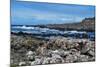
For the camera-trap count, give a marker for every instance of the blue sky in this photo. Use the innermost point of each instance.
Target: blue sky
(29, 13)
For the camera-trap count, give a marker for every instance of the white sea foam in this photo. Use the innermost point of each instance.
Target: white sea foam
(38, 30)
(23, 27)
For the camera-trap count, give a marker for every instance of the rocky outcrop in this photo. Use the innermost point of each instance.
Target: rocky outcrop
(27, 50)
(87, 24)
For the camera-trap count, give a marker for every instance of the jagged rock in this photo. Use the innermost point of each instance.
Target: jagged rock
(55, 50)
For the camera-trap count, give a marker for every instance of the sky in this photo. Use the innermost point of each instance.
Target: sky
(33, 13)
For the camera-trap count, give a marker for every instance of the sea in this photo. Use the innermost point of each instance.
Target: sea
(46, 32)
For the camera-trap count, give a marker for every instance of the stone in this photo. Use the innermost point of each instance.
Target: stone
(91, 52)
(22, 64)
(29, 53)
(36, 62)
(30, 56)
(83, 58)
(71, 58)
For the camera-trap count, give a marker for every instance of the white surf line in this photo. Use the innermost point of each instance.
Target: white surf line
(80, 2)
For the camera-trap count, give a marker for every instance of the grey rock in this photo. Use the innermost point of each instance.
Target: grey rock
(83, 58)
(70, 59)
(30, 55)
(91, 52)
(36, 62)
(22, 64)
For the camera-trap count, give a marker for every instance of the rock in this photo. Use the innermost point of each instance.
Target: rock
(22, 64)
(92, 59)
(29, 53)
(71, 58)
(30, 56)
(55, 50)
(49, 53)
(41, 51)
(75, 52)
(91, 52)
(56, 59)
(46, 60)
(36, 62)
(85, 46)
(66, 53)
(56, 56)
(60, 52)
(83, 58)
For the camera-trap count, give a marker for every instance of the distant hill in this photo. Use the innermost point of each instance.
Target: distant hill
(87, 24)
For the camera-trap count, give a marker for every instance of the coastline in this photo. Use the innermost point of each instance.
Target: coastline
(27, 50)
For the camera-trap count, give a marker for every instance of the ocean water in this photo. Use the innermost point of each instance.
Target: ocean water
(52, 32)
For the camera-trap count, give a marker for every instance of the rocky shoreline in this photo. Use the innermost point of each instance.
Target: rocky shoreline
(27, 50)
